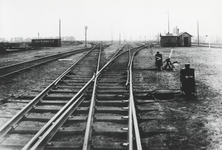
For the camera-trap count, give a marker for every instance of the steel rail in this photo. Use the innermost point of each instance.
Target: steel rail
(16, 118)
(15, 68)
(130, 121)
(117, 54)
(127, 72)
(28, 107)
(88, 131)
(40, 140)
(49, 129)
(132, 106)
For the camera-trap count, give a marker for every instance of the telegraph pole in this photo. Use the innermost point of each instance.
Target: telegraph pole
(86, 36)
(119, 38)
(198, 32)
(124, 39)
(59, 29)
(60, 40)
(111, 34)
(168, 22)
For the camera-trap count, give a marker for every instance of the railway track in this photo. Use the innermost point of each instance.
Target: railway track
(90, 114)
(90, 109)
(42, 107)
(15, 68)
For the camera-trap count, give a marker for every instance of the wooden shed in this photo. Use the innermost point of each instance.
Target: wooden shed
(173, 40)
(184, 39)
(168, 40)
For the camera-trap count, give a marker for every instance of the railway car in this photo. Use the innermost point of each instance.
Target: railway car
(2, 49)
(46, 42)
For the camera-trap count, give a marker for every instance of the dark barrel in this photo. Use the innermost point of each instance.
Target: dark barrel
(187, 79)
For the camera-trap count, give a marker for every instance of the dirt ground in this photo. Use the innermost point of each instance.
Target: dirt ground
(195, 121)
(204, 125)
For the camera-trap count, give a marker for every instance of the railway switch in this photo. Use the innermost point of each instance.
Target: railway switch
(159, 61)
(187, 80)
(168, 65)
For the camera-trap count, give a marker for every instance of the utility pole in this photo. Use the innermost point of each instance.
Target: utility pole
(198, 32)
(119, 38)
(124, 38)
(60, 40)
(59, 29)
(38, 35)
(111, 34)
(168, 22)
(86, 36)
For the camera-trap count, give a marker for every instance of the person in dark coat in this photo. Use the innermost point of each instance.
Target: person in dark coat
(159, 61)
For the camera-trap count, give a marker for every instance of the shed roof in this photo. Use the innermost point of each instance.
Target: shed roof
(174, 35)
(180, 34)
(169, 34)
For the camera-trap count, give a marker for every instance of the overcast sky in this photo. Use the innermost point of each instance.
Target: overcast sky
(131, 18)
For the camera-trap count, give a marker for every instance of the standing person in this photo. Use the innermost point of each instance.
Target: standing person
(159, 61)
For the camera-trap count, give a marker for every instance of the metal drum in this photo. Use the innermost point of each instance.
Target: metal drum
(187, 79)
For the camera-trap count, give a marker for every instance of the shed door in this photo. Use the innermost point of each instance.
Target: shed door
(185, 41)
